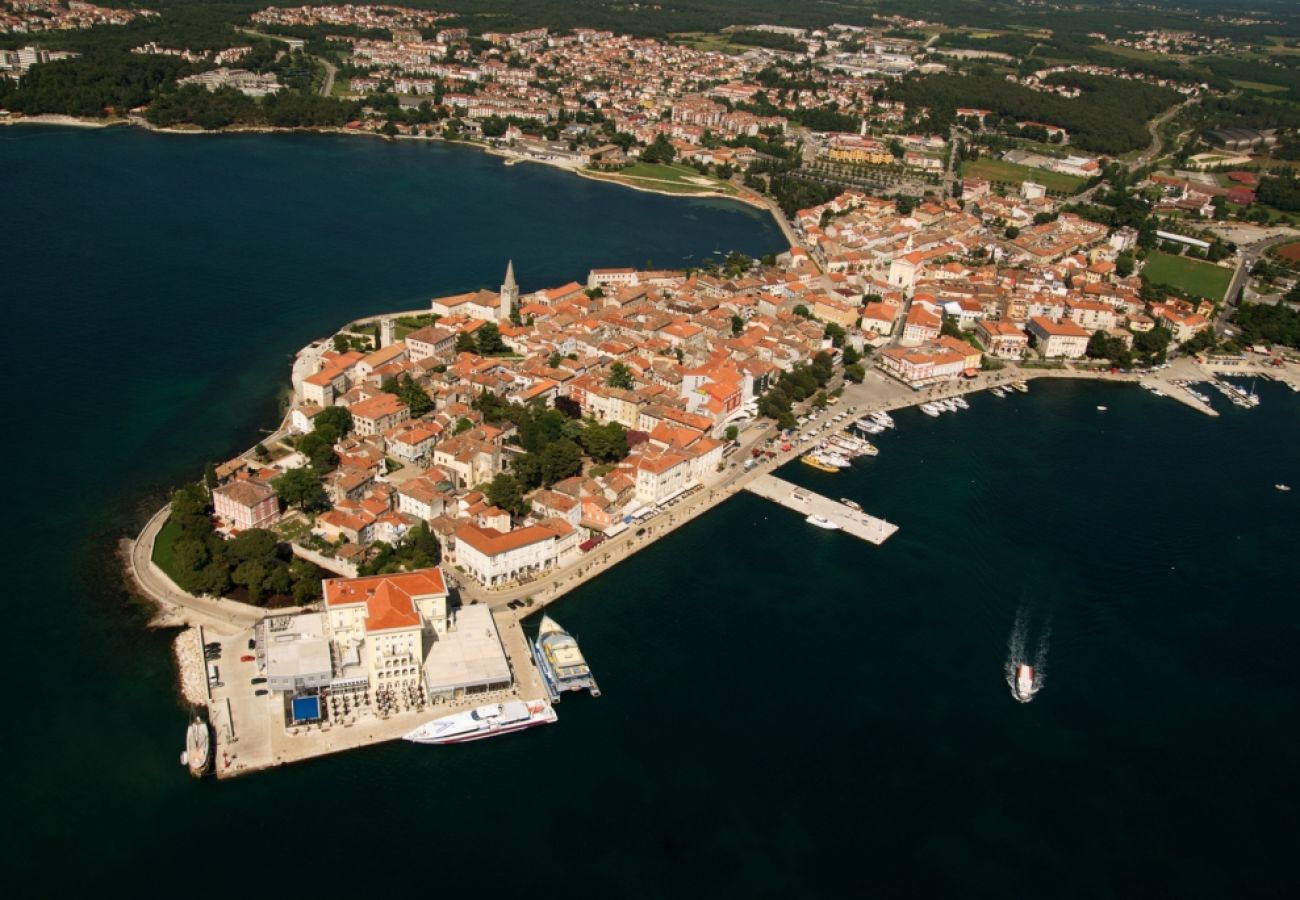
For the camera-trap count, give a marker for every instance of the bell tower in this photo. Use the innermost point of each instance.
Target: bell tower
(509, 293)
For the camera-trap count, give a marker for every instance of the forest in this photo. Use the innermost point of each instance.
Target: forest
(1109, 117)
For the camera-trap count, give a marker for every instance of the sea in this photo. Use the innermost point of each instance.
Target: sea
(786, 712)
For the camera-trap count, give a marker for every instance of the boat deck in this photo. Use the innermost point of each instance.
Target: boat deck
(859, 524)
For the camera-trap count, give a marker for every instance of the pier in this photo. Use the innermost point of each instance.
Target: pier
(806, 503)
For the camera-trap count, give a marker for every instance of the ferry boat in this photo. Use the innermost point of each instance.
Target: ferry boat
(814, 460)
(931, 410)
(822, 522)
(1024, 682)
(484, 722)
(561, 662)
(1021, 386)
(198, 748)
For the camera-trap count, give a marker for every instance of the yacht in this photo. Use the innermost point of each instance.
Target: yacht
(961, 402)
(822, 522)
(484, 722)
(998, 392)
(883, 418)
(930, 409)
(851, 504)
(561, 662)
(198, 748)
(1282, 487)
(1021, 386)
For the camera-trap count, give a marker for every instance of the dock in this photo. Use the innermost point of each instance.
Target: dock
(805, 502)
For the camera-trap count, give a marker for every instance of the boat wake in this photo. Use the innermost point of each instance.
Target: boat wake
(1026, 666)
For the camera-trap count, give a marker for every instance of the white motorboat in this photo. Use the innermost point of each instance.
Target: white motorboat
(1024, 688)
(484, 722)
(931, 410)
(1282, 487)
(961, 402)
(883, 418)
(998, 392)
(822, 522)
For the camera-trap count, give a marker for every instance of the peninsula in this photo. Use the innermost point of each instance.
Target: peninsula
(443, 472)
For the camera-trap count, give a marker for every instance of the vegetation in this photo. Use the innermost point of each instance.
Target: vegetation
(1261, 324)
(191, 552)
(419, 549)
(1187, 276)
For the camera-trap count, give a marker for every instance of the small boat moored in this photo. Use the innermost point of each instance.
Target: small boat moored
(198, 748)
(822, 522)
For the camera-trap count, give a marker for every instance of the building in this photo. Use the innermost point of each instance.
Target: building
(467, 658)
(1059, 339)
(431, 341)
(379, 626)
(245, 504)
(296, 651)
(494, 557)
(1002, 339)
(378, 414)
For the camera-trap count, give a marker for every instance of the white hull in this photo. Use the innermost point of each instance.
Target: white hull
(484, 722)
(822, 522)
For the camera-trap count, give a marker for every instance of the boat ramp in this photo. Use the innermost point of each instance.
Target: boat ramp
(807, 503)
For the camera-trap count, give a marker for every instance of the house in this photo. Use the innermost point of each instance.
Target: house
(1002, 339)
(493, 557)
(1058, 339)
(431, 341)
(378, 414)
(244, 503)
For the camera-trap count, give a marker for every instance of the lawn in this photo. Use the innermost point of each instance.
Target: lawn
(676, 179)
(1191, 276)
(164, 548)
(1013, 173)
(1259, 86)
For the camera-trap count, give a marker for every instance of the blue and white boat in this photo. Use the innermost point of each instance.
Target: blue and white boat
(561, 662)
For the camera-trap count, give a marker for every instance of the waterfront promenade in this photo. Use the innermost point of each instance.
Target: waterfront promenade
(859, 524)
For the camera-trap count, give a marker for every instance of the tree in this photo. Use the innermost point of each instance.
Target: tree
(488, 339)
(338, 418)
(1012, 232)
(409, 392)
(855, 373)
(835, 333)
(732, 432)
(340, 343)
(210, 477)
(302, 488)
(559, 460)
(606, 443)
(306, 577)
(660, 151)
(801, 310)
(462, 425)
(850, 355)
(465, 343)
(737, 325)
(318, 447)
(620, 376)
(1124, 264)
(506, 492)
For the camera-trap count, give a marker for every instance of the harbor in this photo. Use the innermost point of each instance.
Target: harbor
(813, 505)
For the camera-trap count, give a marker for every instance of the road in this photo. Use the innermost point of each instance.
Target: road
(1247, 257)
(221, 615)
(330, 71)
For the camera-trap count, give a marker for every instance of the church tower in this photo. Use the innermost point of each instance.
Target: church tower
(509, 293)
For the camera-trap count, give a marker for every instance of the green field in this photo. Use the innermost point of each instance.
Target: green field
(1013, 173)
(1259, 86)
(674, 178)
(164, 548)
(1191, 276)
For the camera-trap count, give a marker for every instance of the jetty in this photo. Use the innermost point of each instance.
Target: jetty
(807, 503)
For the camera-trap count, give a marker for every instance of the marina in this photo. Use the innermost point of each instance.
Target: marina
(822, 512)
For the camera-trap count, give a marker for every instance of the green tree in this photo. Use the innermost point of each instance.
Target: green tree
(505, 491)
(210, 477)
(302, 488)
(462, 425)
(732, 432)
(620, 376)
(336, 417)
(801, 310)
(488, 339)
(737, 325)
(465, 343)
(855, 373)
(559, 460)
(607, 443)
(835, 333)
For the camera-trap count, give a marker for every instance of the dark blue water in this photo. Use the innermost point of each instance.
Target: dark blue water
(786, 712)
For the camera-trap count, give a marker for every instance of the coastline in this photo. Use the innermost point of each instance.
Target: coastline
(133, 121)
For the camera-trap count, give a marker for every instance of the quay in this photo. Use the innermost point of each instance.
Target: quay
(805, 502)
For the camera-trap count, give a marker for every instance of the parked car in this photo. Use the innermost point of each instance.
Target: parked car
(261, 692)
(247, 658)
(258, 680)
(252, 643)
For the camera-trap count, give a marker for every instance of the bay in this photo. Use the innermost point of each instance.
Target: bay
(786, 712)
